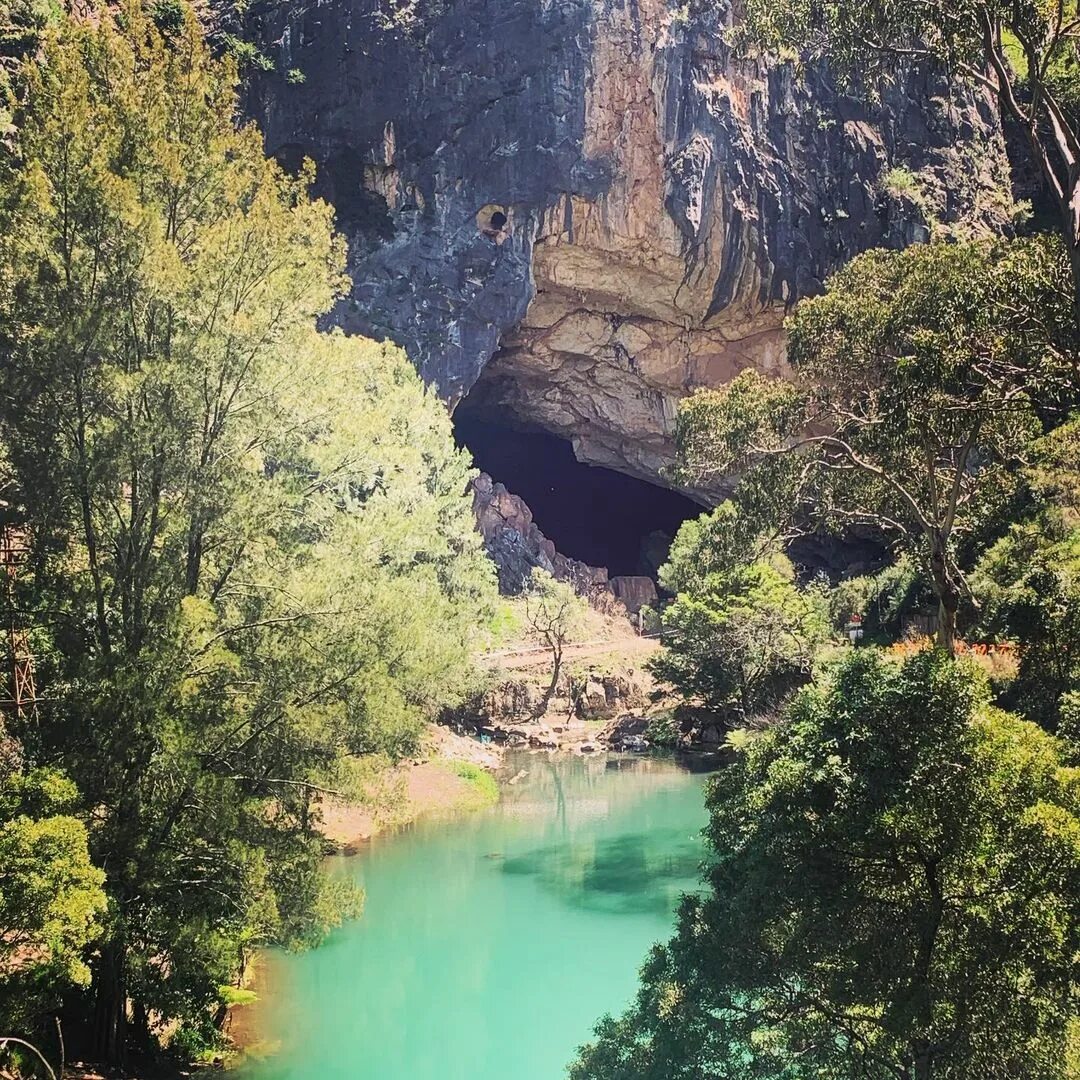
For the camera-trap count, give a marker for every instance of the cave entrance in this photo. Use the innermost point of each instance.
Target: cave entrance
(596, 515)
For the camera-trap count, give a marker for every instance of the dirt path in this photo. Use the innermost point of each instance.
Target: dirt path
(539, 655)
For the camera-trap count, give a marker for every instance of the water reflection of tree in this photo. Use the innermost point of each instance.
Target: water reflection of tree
(626, 872)
(562, 823)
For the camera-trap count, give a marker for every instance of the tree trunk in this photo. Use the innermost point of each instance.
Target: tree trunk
(948, 595)
(948, 602)
(110, 1003)
(549, 693)
(924, 1069)
(1070, 225)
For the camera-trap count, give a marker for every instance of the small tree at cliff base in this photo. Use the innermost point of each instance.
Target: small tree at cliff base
(1025, 54)
(554, 613)
(893, 893)
(918, 380)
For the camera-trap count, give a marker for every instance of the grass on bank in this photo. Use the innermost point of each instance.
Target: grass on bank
(483, 789)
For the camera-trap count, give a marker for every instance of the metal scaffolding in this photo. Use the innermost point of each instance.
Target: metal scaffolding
(21, 697)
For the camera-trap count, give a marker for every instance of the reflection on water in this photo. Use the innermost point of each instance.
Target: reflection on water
(636, 872)
(491, 944)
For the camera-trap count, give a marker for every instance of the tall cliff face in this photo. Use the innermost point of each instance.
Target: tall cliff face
(575, 211)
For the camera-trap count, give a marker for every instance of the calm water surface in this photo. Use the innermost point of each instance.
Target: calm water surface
(491, 944)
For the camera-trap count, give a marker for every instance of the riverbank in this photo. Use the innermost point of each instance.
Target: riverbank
(452, 774)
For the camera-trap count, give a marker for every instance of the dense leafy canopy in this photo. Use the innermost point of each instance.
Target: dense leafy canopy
(893, 892)
(253, 576)
(739, 634)
(918, 379)
(252, 555)
(1028, 582)
(50, 893)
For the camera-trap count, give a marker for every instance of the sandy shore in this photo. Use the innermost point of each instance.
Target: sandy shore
(425, 786)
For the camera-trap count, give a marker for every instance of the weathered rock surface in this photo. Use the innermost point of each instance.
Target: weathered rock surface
(601, 695)
(507, 710)
(586, 208)
(516, 545)
(634, 591)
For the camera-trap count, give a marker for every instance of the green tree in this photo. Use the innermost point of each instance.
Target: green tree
(917, 377)
(893, 892)
(1028, 581)
(881, 601)
(554, 613)
(1024, 54)
(740, 635)
(50, 894)
(252, 553)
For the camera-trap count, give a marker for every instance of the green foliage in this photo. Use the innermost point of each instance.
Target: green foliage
(235, 995)
(880, 600)
(1028, 582)
(21, 25)
(663, 730)
(1054, 472)
(713, 544)
(252, 551)
(554, 613)
(1024, 54)
(551, 607)
(51, 899)
(905, 186)
(1069, 726)
(739, 635)
(918, 377)
(484, 787)
(893, 892)
(168, 16)
(901, 182)
(246, 53)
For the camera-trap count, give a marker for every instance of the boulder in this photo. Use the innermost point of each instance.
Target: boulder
(516, 544)
(593, 700)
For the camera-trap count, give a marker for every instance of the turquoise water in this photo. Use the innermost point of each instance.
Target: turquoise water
(491, 944)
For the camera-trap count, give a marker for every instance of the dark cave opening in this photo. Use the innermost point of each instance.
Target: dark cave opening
(596, 515)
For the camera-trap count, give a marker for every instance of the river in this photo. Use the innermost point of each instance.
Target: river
(490, 944)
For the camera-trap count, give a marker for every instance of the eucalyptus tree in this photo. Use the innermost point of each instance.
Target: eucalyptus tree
(918, 381)
(891, 892)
